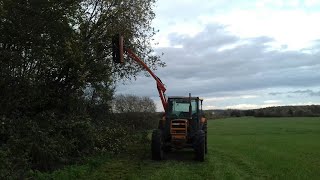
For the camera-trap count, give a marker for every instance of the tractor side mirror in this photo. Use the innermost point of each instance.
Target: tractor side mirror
(202, 113)
(117, 48)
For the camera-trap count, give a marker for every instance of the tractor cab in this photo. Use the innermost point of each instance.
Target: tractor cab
(184, 109)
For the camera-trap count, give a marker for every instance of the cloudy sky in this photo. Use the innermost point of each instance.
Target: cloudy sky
(237, 54)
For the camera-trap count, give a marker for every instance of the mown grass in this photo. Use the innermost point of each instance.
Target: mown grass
(239, 148)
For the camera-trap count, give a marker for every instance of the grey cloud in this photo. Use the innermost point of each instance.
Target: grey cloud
(202, 68)
(217, 38)
(248, 58)
(261, 40)
(307, 92)
(275, 93)
(300, 92)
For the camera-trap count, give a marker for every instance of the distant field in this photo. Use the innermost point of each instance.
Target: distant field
(239, 148)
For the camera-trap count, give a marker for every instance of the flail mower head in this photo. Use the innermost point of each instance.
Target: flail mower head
(117, 48)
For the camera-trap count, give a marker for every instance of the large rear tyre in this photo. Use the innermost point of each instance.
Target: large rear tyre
(206, 144)
(205, 128)
(167, 149)
(199, 145)
(156, 145)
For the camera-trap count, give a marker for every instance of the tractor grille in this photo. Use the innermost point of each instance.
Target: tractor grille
(179, 128)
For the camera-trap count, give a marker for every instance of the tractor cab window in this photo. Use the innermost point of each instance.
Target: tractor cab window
(179, 108)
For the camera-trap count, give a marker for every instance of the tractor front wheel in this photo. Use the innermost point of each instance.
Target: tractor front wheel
(156, 145)
(199, 145)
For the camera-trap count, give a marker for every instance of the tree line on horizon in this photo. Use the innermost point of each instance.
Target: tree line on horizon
(278, 111)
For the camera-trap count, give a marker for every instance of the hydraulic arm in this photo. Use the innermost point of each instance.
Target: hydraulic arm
(119, 49)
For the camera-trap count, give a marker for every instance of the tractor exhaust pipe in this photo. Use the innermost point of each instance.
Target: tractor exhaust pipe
(190, 106)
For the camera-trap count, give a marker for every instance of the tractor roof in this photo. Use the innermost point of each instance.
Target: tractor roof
(183, 97)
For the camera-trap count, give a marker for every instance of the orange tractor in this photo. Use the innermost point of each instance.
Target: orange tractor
(182, 125)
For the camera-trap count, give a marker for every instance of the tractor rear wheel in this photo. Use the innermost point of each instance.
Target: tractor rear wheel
(167, 148)
(206, 144)
(205, 129)
(156, 145)
(199, 145)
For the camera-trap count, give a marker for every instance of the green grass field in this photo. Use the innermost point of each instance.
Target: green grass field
(239, 148)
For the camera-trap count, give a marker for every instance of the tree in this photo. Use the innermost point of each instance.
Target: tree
(55, 49)
(57, 75)
(131, 103)
(132, 19)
